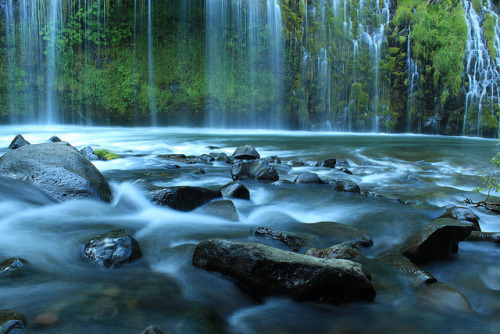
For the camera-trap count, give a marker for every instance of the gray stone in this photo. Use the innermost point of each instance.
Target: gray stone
(348, 250)
(308, 178)
(235, 190)
(330, 163)
(484, 236)
(18, 142)
(246, 152)
(152, 330)
(336, 232)
(12, 322)
(183, 198)
(463, 214)
(266, 271)
(417, 274)
(221, 157)
(12, 265)
(444, 298)
(221, 208)
(58, 169)
(255, 169)
(293, 240)
(346, 186)
(89, 154)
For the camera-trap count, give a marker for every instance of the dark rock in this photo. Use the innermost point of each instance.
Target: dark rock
(256, 169)
(199, 171)
(55, 139)
(484, 236)
(58, 169)
(336, 232)
(293, 240)
(313, 163)
(343, 163)
(152, 330)
(348, 250)
(221, 157)
(330, 163)
(281, 183)
(235, 190)
(176, 157)
(12, 322)
(444, 298)
(462, 214)
(436, 241)
(294, 163)
(113, 249)
(307, 177)
(183, 198)
(346, 185)
(273, 159)
(169, 166)
(13, 265)
(88, 153)
(204, 158)
(265, 271)
(221, 208)
(18, 142)
(246, 152)
(345, 170)
(210, 147)
(404, 265)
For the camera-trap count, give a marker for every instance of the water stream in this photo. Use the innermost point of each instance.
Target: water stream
(165, 289)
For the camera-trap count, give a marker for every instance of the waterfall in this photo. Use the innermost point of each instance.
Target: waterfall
(152, 88)
(413, 81)
(481, 72)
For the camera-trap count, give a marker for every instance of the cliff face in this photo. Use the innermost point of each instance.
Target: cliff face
(345, 65)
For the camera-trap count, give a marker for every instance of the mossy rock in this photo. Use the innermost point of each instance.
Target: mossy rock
(106, 154)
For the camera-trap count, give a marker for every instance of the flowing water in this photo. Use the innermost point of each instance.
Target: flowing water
(163, 287)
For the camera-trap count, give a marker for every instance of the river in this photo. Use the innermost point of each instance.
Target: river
(164, 288)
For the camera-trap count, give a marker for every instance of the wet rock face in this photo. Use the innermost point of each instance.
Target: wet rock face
(183, 198)
(89, 154)
(347, 250)
(58, 169)
(18, 142)
(12, 322)
(417, 274)
(484, 236)
(329, 163)
(257, 170)
(436, 241)
(293, 240)
(346, 186)
(265, 271)
(337, 232)
(235, 190)
(113, 249)
(13, 265)
(308, 178)
(246, 152)
(465, 215)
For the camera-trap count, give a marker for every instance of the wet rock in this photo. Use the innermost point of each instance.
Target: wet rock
(169, 166)
(13, 265)
(343, 163)
(58, 169)
(12, 322)
(246, 152)
(199, 171)
(55, 139)
(348, 250)
(176, 157)
(345, 170)
(484, 236)
(346, 186)
(336, 232)
(113, 249)
(46, 319)
(152, 330)
(211, 147)
(281, 183)
(265, 271)
(18, 142)
(436, 241)
(273, 159)
(444, 298)
(329, 163)
(294, 163)
(183, 198)
(256, 169)
(313, 163)
(221, 157)
(462, 214)
(221, 208)
(204, 158)
(308, 178)
(293, 240)
(417, 274)
(235, 190)
(88, 153)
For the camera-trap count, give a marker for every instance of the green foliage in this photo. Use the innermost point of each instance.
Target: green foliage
(491, 181)
(489, 34)
(106, 154)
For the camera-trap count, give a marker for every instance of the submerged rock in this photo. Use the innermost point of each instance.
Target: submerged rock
(246, 152)
(183, 198)
(221, 208)
(171, 166)
(444, 298)
(484, 236)
(348, 250)
(13, 265)
(176, 157)
(265, 270)
(293, 240)
(436, 241)
(12, 322)
(58, 169)
(235, 190)
(463, 214)
(417, 274)
(113, 249)
(256, 169)
(345, 170)
(346, 186)
(336, 233)
(152, 330)
(329, 163)
(18, 142)
(308, 178)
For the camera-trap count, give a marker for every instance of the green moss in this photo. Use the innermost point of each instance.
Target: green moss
(489, 34)
(106, 154)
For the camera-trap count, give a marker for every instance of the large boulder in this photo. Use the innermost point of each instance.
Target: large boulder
(436, 241)
(463, 214)
(113, 249)
(12, 322)
(235, 190)
(265, 271)
(18, 142)
(416, 274)
(58, 169)
(246, 152)
(183, 198)
(256, 170)
(308, 178)
(348, 250)
(290, 239)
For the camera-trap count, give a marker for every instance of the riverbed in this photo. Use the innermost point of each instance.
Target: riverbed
(424, 172)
